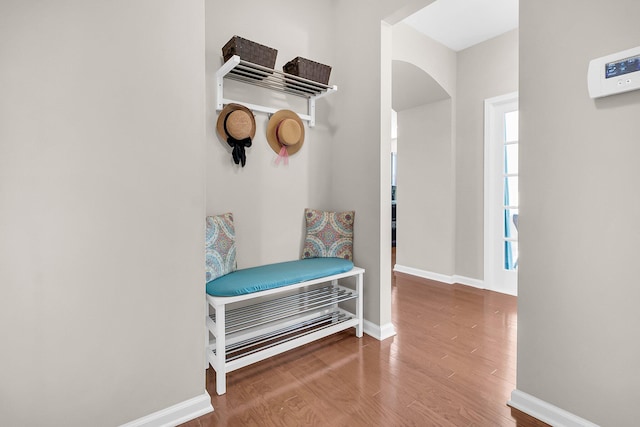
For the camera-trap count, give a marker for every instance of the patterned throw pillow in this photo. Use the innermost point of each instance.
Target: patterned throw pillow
(329, 234)
(220, 246)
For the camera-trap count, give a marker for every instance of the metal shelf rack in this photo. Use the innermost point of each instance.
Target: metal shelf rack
(264, 325)
(257, 75)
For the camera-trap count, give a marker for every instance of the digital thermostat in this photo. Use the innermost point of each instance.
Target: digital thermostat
(615, 73)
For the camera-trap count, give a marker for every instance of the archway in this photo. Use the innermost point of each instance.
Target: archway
(425, 193)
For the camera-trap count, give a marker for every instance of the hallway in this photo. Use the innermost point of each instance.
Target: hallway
(452, 363)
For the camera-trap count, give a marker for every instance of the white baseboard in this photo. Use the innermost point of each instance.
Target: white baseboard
(545, 411)
(176, 414)
(468, 281)
(424, 274)
(380, 333)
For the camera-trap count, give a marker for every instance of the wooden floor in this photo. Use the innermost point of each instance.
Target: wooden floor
(452, 363)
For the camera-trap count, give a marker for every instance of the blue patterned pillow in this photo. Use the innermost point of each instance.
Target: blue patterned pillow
(329, 234)
(220, 246)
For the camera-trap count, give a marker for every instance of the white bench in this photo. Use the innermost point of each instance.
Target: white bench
(250, 327)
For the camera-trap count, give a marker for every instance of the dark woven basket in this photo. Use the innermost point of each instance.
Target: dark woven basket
(250, 51)
(308, 69)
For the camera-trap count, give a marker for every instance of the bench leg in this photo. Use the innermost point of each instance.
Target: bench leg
(206, 335)
(220, 359)
(359, 305)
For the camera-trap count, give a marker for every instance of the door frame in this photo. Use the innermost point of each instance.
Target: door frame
(493, 107)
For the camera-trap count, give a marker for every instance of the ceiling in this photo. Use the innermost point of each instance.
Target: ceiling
(459, 24)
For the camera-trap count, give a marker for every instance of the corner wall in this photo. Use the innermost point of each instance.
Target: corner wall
(426, 190)
(452, 183)
(268, 200)
(361, 175)
(101, 210)
(339, 168)
(578, 292)
(484, 71)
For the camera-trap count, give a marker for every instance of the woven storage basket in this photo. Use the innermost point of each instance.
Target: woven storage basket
(308, 69)
(250, 51)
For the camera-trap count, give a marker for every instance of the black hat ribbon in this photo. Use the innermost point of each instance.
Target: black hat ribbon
(238, 145)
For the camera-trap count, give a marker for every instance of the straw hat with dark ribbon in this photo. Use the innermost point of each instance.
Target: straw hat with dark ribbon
(285, 134)
(237, 126)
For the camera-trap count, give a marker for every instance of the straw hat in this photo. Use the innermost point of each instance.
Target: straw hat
(285, 129)
(237, 126)
(240, 123)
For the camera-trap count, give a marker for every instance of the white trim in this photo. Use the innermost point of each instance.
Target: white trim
(424, 274)
(177, 414)
(469, 281)
(491, 111)
(438, 277)
(380, 333)
(544, 411)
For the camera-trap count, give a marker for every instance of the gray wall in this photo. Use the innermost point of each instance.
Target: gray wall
(484, 71)
(361, 172)
(268, 200)
(355, 177)
(101, 209)
(578, 311)
(426, 188)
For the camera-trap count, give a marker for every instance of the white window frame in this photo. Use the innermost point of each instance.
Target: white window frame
(495, 278)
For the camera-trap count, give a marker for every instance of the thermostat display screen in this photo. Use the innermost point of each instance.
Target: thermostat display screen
(618, 68)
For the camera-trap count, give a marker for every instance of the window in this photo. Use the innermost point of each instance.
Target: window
(510, 191)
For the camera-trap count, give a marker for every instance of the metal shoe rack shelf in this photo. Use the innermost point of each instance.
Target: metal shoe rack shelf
(267, 324)
(257, 75)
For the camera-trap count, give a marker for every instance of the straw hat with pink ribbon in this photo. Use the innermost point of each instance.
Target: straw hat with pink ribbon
(285, 134)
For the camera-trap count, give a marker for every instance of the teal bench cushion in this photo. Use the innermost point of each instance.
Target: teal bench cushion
(256, 279)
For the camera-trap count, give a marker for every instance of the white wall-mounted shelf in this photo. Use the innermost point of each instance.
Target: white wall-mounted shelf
(257, 75)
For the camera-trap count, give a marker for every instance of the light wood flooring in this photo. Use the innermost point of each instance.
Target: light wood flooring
(452, 363)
